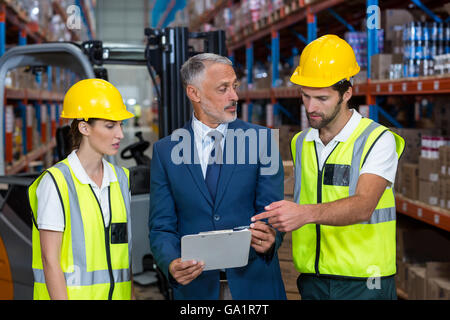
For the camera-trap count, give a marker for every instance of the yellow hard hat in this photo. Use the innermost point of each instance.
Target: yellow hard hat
(94, 98)
(324, 62)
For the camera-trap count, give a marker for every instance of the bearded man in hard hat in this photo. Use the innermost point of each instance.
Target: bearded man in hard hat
(343, 215)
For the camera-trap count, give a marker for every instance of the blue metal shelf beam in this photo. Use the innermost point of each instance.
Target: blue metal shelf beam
(249, 63)
(340, 19)
(275, 57)
(2, 29)
(80, 5)
(312, 27)
(373, 12)
(22, 37)
(300, 36)
(372, 31)
(419, 4)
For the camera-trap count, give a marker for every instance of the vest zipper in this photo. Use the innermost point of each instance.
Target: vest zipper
(319, 200)
(107, 241)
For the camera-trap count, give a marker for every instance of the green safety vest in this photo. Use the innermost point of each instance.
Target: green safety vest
(359, 250)
(95, 259)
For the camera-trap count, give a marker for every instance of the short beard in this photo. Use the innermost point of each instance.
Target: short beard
(216, 117)
(325, 121)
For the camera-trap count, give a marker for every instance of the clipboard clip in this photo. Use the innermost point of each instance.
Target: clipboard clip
(240, 228)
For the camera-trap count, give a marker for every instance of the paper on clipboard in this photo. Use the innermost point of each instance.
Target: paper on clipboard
(217, 249)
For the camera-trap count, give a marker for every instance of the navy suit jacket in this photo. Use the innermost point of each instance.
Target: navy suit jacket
(181, 204)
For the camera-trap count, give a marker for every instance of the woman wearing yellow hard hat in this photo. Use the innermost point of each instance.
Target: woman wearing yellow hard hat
(343, 215)
(81, 205)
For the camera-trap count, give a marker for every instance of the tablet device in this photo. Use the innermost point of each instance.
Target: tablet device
(218, 249)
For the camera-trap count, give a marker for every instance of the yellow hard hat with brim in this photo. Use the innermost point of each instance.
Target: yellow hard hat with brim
(94, 98)
(324, 62)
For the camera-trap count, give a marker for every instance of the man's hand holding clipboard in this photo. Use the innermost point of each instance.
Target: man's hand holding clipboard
(261, 238)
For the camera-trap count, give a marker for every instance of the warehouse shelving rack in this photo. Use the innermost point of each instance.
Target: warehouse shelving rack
(14, 24)
(434, 216)
(424, 85)
(289, 21)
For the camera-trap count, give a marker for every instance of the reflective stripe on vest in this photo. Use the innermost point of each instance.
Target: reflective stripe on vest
(343, 250)
(79, 276)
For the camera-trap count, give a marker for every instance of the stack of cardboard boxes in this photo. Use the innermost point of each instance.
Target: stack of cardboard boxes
(381, 65)
(423, 270)
(429, 282)
(434, 179)
(289, 180)
(444, 177)
(429, 181)
(406, 181)
(420, 177)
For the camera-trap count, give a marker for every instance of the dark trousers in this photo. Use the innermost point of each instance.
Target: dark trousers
(312, 287)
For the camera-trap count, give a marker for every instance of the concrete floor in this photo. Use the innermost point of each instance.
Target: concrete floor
(149, 292)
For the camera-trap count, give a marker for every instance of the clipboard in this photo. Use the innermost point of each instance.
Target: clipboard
(219, 249)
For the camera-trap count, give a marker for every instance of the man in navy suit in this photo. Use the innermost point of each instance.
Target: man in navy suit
(214, 174)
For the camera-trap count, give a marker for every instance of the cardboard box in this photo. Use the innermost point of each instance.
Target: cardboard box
(288, 166)
(440, 271)
(437, 269)
(289, 185)
(413, 142)
(401, 276)
(429, 169)
(447, 192)
(444, 152)
(290, 275)
(429, 192)
(438, 289)
(394, 17)
(286, 134)
(263, 83)
(289, 179)
(443, 193)
(448, 159)
(410, 180)
(416, 283)
(398, 183)
(285, 250)
(380, 65)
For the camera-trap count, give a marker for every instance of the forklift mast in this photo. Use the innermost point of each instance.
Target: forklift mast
(166, 51)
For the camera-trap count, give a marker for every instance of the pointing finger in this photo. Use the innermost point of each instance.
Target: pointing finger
(263, 215)
(274, 205)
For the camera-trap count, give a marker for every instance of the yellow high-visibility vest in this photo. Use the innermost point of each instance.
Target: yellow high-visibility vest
(359, 250)
(95, 259)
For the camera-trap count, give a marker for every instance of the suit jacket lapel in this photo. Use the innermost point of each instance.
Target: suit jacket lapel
(227, 169)
(195, 168)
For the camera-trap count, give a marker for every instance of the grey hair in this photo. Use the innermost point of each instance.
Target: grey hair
(195, 66)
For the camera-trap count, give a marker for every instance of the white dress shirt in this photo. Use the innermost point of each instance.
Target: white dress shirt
(382, 159)
(205, 143)
(50, 215)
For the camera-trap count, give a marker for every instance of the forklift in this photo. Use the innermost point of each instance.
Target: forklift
(163, 55)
